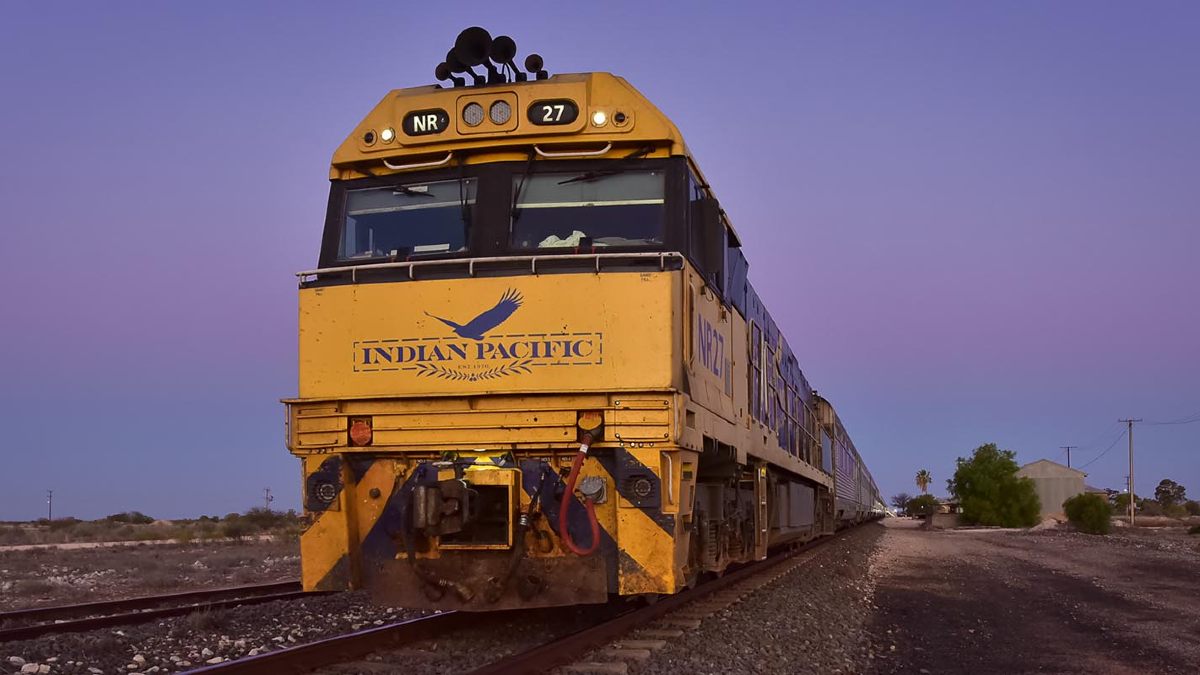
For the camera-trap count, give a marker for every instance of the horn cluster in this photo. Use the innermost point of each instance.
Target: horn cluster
(476, 47)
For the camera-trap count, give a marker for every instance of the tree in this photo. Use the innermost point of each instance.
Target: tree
(924, 478)
(990, 492)
(900, 502)
(925, 505)
(1121, 503)
(1169, 493)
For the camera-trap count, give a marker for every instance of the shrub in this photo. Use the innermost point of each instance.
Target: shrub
(1175, 511)
(14, 536)
(236, 529)
(183, 534)
(131, 518)
(1192, 507)
(1088, 513)
(63, 523)
(1149, 507)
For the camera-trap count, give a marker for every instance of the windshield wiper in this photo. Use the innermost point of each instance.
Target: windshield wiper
(405, 190)
(605, 173)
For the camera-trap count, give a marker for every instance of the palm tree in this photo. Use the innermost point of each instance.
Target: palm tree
(923, 480)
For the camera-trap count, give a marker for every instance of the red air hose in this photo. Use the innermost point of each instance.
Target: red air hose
(588, 504)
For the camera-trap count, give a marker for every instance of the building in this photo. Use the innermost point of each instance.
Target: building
(1054, 483)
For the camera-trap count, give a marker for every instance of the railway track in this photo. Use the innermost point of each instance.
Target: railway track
(603, 649)
(655, 623)
(27, 624)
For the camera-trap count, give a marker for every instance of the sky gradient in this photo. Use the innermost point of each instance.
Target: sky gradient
(975, 223)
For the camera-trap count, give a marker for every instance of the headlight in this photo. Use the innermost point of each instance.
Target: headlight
(500, 112)
(472, 114)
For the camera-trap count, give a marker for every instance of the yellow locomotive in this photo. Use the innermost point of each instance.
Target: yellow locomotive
(532, 370)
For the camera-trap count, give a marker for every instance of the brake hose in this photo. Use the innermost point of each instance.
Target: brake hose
(588, 504)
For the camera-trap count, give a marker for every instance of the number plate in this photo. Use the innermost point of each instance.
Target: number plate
(422, 122)
(553, 111)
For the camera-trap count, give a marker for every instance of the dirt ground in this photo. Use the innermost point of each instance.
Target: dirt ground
(988, 601)
(30, 578)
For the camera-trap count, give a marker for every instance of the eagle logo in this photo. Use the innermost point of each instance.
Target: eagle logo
(475, 328)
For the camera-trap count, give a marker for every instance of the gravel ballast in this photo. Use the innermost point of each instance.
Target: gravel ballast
(811, 620)
(181, 643)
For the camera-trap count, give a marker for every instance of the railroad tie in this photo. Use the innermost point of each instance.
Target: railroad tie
(625, 654)
(649, 645)
(660, 633)
(598, 668)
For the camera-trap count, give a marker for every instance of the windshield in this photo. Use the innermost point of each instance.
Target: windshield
(404, 221)
(559, 211)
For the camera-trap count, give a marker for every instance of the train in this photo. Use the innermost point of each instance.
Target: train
(532, 368)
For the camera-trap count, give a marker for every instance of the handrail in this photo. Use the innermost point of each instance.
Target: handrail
(670, 478)
(411, 265)
(421, 165)
(578, 153)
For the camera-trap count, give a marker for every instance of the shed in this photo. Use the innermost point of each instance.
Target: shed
(1054, 483)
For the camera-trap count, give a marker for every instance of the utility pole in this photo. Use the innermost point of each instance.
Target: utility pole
(267, 498)
(1129, 422)
(1069, 448)
(50, 505)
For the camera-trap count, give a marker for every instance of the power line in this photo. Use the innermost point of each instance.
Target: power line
(1105, 452)
(1187, 419)
(1099, 440)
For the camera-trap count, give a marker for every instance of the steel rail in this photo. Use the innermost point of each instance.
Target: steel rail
(341, 648)
(142, 609)
(569, 649)
(351, 646)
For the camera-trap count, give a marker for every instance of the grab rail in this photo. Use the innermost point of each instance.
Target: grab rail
(471, 263)
(421, 165)
(573, 153)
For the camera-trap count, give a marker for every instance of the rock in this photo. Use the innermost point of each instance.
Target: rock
(29, 668)
(95, 671)
(43, 669)
(215, 660)
(16, 660)
(138, 658)
(206, 652)
(254, 652)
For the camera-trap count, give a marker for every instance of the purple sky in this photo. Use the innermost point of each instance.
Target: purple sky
(974, 222)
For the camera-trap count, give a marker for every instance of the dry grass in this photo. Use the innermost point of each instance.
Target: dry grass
(1160, 521)
(201, 621)
(34, 587)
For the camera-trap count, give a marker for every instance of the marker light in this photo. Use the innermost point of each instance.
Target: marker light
(599, 118)
(500, 112)
(360, 431)
(472, 114)
(387, 135)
